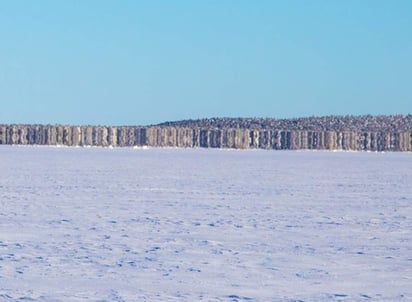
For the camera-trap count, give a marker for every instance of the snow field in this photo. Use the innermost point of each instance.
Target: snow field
(94, 224)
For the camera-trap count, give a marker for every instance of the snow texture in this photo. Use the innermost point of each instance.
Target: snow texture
(94, 224)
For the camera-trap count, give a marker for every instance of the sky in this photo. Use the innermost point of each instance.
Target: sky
(134, 62)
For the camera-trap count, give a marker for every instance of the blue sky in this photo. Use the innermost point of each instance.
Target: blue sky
(143, 62)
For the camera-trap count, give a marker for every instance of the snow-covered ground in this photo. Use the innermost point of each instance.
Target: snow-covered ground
(94, 224)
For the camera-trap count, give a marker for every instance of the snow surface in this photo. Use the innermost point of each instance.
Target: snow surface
(94, 224)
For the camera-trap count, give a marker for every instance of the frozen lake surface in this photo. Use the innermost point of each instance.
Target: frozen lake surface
(93, 224)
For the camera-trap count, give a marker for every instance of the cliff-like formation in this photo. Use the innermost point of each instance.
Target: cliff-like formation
(363, 133)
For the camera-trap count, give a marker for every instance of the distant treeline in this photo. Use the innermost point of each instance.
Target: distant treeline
(382, 123)
(364, 133)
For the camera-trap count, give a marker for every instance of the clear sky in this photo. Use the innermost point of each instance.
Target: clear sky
(142, 62)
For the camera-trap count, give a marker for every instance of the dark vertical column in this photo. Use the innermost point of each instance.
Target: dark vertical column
(203, 138)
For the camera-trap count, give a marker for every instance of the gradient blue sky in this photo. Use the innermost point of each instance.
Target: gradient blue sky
(142, 62)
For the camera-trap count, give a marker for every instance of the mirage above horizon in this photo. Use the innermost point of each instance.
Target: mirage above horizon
(357, 133)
